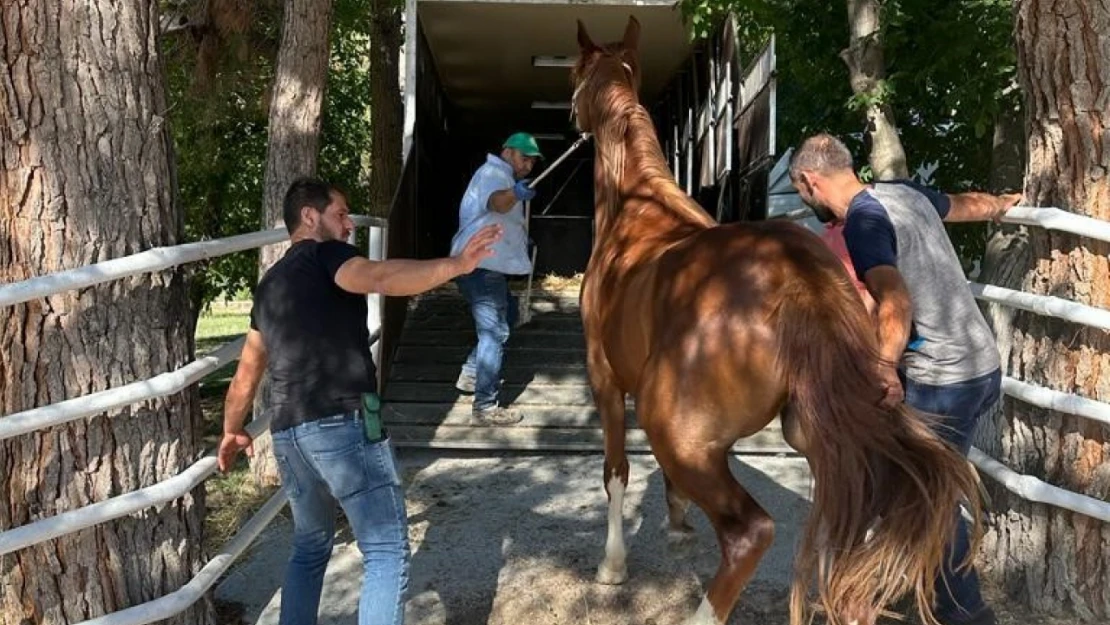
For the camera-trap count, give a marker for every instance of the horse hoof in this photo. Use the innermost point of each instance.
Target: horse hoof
(611, 577)
(680, 535)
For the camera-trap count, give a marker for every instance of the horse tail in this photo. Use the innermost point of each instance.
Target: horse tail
(883, 472)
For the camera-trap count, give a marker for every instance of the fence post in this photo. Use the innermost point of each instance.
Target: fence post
(375, 250)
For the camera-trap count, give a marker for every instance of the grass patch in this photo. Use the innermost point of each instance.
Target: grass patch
(222, 323)
(232, 500)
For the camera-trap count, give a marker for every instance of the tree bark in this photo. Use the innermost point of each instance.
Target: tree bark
(87, 176)
(386, 107)
(1047, 558)
(295, 111)
(867, 74)
(1007, 150)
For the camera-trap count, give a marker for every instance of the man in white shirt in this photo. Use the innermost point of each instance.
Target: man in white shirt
(495, 195)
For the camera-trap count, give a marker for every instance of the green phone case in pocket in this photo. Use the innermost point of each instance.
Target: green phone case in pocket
(372, 417)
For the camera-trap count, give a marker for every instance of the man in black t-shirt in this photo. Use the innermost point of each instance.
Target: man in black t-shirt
(308, 331)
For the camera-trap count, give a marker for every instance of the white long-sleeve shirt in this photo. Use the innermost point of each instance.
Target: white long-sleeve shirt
(511, 252)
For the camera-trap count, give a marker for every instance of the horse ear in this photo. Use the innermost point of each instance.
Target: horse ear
(584, 42)
(631, 34)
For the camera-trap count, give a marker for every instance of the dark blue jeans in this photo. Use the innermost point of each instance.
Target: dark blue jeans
(494, 309)
(958, 595)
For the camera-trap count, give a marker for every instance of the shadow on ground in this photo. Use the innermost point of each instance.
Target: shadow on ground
(516, 539)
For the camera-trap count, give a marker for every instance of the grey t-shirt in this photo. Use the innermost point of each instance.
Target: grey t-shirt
(900, 224)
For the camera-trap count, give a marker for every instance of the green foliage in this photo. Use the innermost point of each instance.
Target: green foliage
(882, 93)
(345, 130)
(218, 92)
(951, 71)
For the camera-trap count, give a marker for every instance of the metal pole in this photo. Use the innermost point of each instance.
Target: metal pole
(375, 250)
(525, 313)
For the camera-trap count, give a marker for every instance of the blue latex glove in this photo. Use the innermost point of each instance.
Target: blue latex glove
(522, 192)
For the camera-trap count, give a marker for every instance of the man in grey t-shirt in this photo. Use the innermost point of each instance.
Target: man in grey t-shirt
(939, 353)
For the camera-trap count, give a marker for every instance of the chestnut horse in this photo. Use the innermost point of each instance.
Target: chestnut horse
(715, 330)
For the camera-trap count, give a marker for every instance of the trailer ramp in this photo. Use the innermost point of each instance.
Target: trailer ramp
(544, 373)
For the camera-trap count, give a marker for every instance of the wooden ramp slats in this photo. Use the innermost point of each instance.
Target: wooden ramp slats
(544, 376)
(458, 414)
(511, 373)
(530, 438)
(521, 355)
(465, 338)
(460, 321)
(514, 394)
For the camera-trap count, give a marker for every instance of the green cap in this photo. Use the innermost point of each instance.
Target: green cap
(523, 142)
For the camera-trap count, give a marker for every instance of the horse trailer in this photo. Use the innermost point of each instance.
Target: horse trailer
(477, 70)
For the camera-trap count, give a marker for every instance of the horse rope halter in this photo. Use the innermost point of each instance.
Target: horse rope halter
(589, 75)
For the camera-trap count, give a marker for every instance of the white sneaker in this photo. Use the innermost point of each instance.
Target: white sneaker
(496, 415)
(465, 383)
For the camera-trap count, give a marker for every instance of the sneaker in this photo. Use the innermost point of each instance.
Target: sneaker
(497, 415)
(465, 383)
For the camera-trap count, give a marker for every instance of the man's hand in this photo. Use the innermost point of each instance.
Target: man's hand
(230, 447)
(478, 248)
(523, 192)
(893, 394)
(1004, 203)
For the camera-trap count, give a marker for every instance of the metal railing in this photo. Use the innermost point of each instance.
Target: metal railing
(1026, 486)
(161, 385)
(168, 383)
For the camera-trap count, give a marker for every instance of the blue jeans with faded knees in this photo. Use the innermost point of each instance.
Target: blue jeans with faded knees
(327, 461)
(494, 310)
(962, 404)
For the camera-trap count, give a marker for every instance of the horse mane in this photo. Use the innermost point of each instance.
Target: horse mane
(616, 116)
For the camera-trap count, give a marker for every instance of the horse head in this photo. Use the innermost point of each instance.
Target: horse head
(599, 66)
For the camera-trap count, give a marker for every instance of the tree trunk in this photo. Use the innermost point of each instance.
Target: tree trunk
(867, 73)
(1048, 558)
(1007, 150)
(86, 177)
(294, 132)
(386, 107)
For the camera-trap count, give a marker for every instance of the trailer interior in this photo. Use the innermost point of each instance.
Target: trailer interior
(482, 70)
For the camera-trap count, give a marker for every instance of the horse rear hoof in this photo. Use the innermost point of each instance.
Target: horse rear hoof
(611, 577)
(680, 534)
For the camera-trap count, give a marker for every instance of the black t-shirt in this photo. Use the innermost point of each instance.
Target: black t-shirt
(315, 334)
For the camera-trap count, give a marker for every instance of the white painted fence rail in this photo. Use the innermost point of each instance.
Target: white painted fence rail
(88, 405)
(1046, 305)
(181, 599)
(154, 259)
(161, 385)
(94, 514)
(1056, 400)
(165, 384)
(1052, 218)
(1032, 489)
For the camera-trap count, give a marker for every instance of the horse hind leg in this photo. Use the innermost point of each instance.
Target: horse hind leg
(677, 528)
(744, 530)
(610, 404)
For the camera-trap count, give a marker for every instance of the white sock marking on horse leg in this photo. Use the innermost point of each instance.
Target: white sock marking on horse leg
(704, 615)
(612, 569)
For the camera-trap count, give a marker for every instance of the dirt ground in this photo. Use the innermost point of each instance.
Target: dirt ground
(515, 540)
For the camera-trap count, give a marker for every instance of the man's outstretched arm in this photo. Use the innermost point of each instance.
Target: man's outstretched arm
(402, 276)
(975, 206)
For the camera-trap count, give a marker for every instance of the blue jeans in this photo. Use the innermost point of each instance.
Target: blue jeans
(494, 310)
(958, 595)
(329, 460)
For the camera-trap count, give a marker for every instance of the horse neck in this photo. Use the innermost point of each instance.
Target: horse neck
(630, 161)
